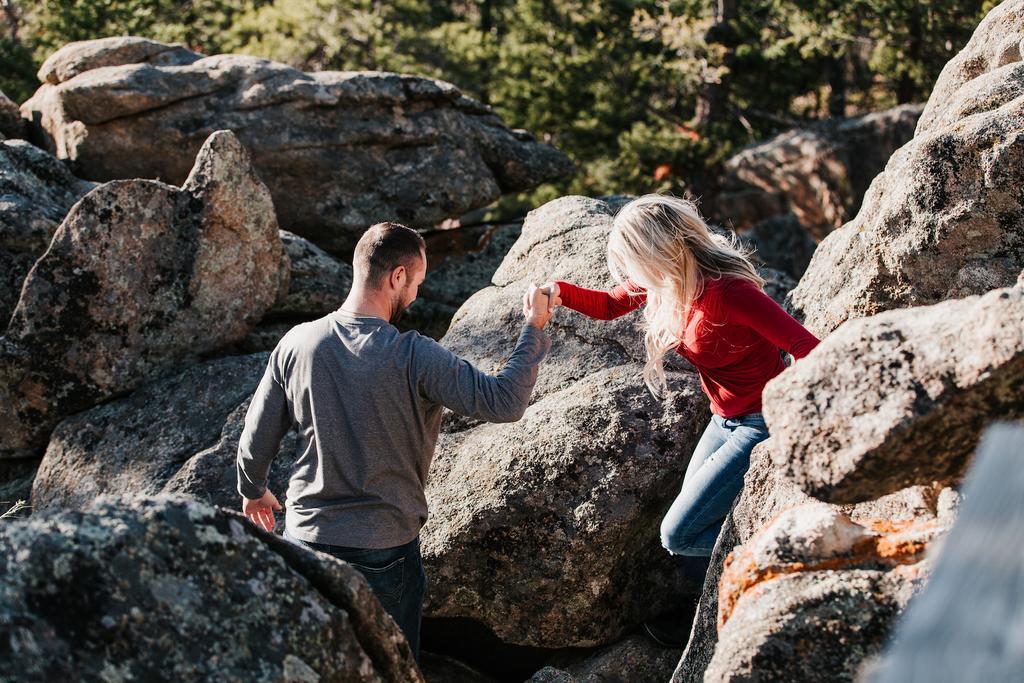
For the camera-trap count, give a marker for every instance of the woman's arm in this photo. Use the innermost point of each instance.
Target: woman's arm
(596, 303)
(748, 305)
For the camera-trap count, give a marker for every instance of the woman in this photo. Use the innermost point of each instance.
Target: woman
(705, 300)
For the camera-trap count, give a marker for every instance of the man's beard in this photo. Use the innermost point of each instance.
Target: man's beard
(398, 307)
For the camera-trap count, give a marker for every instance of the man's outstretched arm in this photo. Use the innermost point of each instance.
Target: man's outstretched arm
(266, 423)
(453, 382)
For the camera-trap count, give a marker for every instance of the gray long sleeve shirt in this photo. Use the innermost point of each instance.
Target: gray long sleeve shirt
(366, 401)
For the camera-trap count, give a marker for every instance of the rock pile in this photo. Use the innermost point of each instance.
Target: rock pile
(339, 150)
(807, 590)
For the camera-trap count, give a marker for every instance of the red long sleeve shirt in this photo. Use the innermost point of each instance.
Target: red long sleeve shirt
(732, 337)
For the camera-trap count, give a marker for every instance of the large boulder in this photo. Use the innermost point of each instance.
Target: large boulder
(205, 266)
(899, 398)
(11, 123)
(36, 192)
(817, 174)
(943, 220)
(138, 444)
(339, 150)
(546, 530)
(994, 44)
(167, 588)
(212, 476)
(77, 58)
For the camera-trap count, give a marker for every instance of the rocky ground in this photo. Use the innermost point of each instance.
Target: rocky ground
(152, 258)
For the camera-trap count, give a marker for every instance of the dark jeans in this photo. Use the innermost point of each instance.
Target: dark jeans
(396, 576)
(713, 479)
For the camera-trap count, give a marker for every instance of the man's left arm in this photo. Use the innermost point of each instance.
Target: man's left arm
(266, 423)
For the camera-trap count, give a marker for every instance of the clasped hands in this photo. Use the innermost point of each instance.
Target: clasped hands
(540, 302)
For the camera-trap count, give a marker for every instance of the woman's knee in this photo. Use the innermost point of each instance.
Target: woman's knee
(682, 538)
(674, 538)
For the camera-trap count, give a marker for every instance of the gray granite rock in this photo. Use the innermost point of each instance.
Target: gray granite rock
(339, 150)
(211, 475)
(635, 659)
(546, 530)
(138, 444)
(943, 219)
(900, 398)
(36, 192)
(167, 588)
(77, 58)
(11, 123)
(205, 266)
(318, 282)
(818, 174)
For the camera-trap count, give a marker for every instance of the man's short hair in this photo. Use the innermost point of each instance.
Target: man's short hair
(384, 247)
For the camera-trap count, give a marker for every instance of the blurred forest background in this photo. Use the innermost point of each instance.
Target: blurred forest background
(644, 95)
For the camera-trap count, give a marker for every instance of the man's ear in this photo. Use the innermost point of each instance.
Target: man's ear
(398, 277)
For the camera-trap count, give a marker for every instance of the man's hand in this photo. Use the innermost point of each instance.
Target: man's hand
(260, 511)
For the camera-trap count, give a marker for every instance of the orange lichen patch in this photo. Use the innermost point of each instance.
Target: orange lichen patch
(893, 544)
(887, 526)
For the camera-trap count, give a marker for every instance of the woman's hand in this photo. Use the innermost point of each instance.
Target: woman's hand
(537, 306)
(553, 292)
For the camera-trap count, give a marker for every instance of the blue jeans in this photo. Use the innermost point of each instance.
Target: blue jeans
(713, 479)
(396, 576)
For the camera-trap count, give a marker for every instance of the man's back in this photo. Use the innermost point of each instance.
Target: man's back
(367, 402)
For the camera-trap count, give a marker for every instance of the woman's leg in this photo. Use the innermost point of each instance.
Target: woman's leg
(692, 523)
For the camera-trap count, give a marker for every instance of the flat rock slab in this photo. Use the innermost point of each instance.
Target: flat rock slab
(339, 150)
(140, 278)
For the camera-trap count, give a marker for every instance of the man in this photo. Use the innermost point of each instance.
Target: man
(366, 401)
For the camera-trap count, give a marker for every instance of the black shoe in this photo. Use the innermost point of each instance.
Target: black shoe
(669, 631)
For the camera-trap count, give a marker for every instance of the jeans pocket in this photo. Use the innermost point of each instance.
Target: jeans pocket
(387, 581)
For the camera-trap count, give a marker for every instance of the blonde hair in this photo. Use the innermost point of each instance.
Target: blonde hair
(661, 243)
